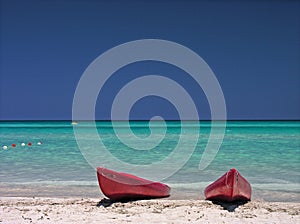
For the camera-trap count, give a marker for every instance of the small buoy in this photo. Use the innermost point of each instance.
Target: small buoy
(23, 144)
(29, 144)
(13, 145)
(39, 143)
(4, 147)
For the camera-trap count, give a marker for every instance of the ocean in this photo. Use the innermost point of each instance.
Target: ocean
(266, 153)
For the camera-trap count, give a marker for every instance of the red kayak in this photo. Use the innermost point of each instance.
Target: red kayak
(232, 186)
(122, 186)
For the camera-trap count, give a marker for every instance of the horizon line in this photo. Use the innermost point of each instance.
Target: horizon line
(142, 120)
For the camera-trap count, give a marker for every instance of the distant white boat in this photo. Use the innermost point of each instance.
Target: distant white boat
(74, 123)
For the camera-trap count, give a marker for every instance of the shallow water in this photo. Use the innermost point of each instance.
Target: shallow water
(267, 153)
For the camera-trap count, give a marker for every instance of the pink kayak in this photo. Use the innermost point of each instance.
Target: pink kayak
(232, 186)
(123, 186)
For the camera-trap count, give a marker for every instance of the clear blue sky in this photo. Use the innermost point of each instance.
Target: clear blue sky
(253, 47)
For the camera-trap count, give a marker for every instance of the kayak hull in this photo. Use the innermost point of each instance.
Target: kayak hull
(230, 187)
(122, 186)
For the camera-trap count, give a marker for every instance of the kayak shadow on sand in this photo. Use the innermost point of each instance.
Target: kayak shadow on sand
(105, 203)
(230, 206)
(108, 202)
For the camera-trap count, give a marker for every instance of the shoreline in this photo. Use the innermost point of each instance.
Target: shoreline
(94, 210)
(93, 191)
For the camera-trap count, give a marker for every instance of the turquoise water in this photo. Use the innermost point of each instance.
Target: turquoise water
(267, 153)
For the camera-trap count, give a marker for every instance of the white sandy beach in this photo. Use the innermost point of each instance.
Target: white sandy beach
(82, 210)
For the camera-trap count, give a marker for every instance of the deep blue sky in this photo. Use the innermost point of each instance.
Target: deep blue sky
(253, 47)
